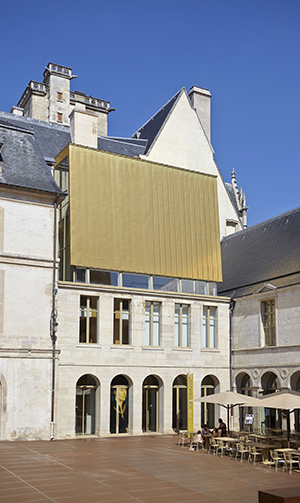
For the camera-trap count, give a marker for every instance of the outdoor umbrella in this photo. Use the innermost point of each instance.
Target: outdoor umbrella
(228, 399)
(285, 400)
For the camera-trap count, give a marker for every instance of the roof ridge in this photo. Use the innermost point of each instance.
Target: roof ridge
(161, 108)
(264, 222)
(31, 120)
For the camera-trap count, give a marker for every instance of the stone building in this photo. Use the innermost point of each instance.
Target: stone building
(133, 282)
(261, 274)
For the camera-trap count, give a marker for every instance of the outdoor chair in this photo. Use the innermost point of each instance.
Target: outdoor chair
(242, 450)
(182, 438)
(213, 446)
(221, 448)
(253, 453)
(195, 443)
(289, 462)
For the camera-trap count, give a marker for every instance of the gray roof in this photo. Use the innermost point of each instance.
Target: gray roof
(232, 198)
(151, 129)
(131, 147)
(49, 138)
(268, 252)
(21, 162)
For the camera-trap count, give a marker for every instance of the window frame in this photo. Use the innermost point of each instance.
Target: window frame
(152, 315)
(90, 311)
(266, 316)
(178, 320)
(121, 310)
(206, 326)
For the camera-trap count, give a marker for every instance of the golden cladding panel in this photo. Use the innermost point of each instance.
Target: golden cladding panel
(136, 216)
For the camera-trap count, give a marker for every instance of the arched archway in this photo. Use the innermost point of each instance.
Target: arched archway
(244, 386)
(270, 418)
(208, 387)
(86, 405)
(150, 416)
(179, 409)
(119, 405)
(295, 385)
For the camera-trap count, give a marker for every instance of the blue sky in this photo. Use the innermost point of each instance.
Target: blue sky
(137, 55)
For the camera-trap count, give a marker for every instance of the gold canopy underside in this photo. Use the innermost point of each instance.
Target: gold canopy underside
(136, 216)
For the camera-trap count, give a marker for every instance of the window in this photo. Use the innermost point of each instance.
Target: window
(268, 312)
(59, 117)
(88, 319)
(59, 96)
(152, 323)
(182, 315)
(121, 321)
(209, 327)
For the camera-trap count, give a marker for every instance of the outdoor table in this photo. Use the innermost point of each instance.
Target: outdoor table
(265, 449)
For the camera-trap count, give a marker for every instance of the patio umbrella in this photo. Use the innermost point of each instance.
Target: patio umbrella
(228, 399)
(285, 400)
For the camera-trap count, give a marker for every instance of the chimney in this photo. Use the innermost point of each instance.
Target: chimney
(200, 100)
(84, 128)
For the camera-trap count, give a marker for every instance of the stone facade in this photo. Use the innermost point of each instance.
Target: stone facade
(26, 265)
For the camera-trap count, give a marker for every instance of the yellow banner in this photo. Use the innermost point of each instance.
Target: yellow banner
(190, 403)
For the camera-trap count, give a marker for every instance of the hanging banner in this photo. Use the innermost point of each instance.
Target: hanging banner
(190, 403)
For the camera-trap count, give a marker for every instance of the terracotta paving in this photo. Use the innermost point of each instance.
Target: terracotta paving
(148, 469)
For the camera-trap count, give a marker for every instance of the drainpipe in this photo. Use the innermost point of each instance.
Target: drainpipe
(53, 322)
(231, 309)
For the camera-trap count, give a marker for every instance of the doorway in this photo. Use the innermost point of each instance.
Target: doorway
(179, 419)
(85, 405)
(150, 404)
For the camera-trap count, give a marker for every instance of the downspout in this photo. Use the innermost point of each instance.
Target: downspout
(231, 309)
(53, 322)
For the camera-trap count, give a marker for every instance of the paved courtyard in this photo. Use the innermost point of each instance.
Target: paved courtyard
(149, 469)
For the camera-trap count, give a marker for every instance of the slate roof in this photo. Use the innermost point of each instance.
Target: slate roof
(131, 147)
(151, 129)
(268, 252)
(232, 198)
(49, 138)
(21, 162)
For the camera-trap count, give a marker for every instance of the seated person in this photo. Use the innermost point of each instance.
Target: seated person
(206, 434)
(221, 428)
(199, 438)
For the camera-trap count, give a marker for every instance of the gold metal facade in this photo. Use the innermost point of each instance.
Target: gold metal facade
(136, 216)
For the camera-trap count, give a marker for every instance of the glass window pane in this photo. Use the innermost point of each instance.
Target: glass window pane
(82, 329)
(177, 335)
(147, 331)
(165, 284)
(187, 286)
(80, 275)
(125, 331)
(99, 277)
(93, 330)
(200, 287)
(156, 307)
(185, 310)
(135, 281)
(117, 329)
(185, 333)
(148, 307)
(156, 331)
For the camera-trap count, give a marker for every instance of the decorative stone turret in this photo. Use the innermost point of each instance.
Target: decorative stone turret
(240, 199)
(53, 101)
